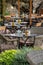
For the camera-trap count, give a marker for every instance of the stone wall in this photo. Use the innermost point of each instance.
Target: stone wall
(39, 41)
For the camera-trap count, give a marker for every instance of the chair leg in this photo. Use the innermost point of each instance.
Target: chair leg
(21, 45)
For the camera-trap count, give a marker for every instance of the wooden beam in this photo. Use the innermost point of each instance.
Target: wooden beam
(30, 12)
(19, 7)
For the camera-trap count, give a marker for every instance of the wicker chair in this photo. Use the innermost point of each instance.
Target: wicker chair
(7, 43)
(27, 42)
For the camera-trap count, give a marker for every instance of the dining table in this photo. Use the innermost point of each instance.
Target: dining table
(18, 36)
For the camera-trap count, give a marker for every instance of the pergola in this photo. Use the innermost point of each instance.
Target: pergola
(19, 9)
(30, 9)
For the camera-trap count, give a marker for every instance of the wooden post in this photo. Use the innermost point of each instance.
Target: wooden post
(30, 12)
(19, 7)
(3, 2)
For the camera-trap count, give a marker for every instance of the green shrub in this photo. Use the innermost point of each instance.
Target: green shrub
(15, 57)
(6, 57)
(20, 58)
